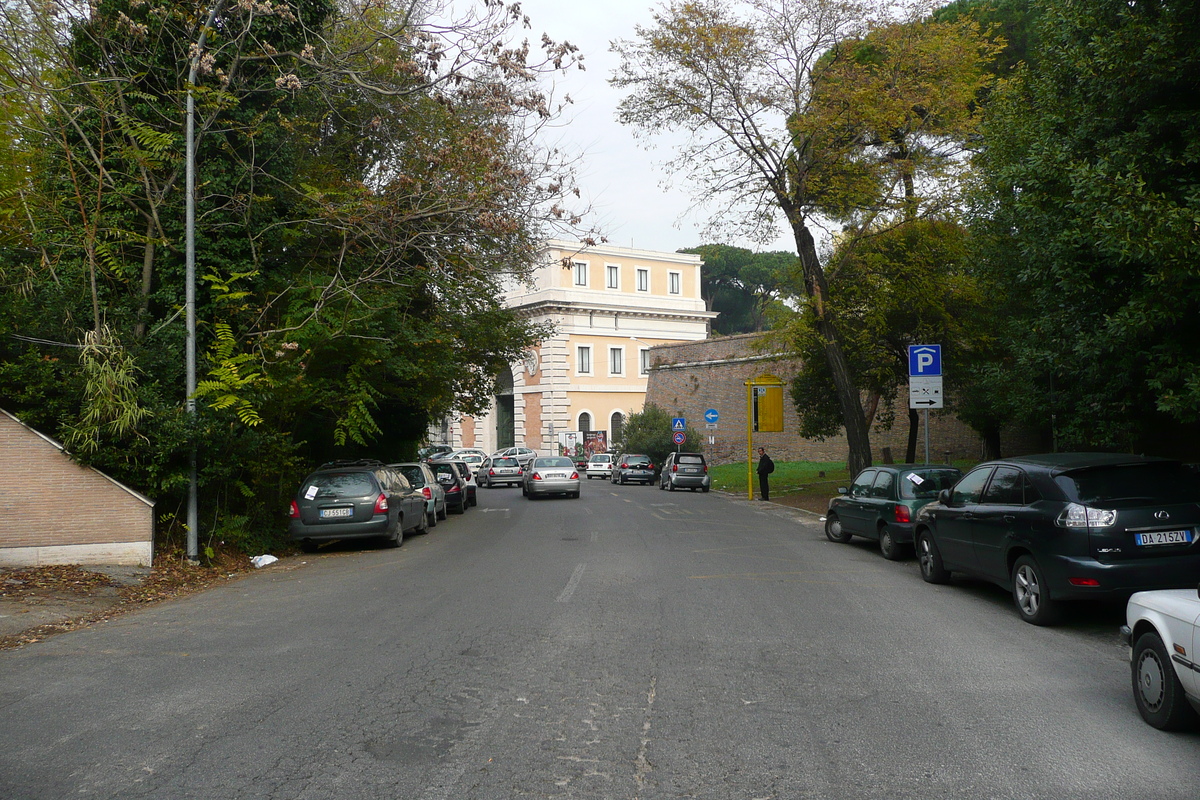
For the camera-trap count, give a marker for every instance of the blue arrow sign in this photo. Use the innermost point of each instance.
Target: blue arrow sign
(678, 424)
(924, 360)
(711, 415)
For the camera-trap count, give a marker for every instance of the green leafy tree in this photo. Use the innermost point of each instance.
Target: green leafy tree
(1090, 217)
(789, 114)
(649, 431)
(742, 285)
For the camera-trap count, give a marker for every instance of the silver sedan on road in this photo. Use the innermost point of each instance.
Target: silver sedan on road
(551, 475)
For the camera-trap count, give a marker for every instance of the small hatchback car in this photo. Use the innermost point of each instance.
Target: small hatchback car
(633, 467)
(1066, 526)
(499, 471)
(551, 475)
(882, 503)
(355, 500)
(599, 466)
(685, 471)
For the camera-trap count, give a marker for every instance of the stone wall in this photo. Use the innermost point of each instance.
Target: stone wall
(689, 378)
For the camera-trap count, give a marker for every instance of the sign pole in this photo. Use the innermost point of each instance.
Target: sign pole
(749, 440)
(927, 461)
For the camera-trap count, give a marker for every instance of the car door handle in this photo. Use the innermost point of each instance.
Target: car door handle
(1010, 518)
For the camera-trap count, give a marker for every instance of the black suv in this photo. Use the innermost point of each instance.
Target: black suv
(1066, 526)
(355, 500)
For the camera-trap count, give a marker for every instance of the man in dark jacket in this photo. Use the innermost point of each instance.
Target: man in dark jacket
(765, 467)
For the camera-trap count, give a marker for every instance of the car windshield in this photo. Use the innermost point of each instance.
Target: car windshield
(924, 484)
(552, 463)
(1132, 484)
(341, 484)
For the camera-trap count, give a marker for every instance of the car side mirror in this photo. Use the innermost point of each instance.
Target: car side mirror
(944, 497)
(842, 490)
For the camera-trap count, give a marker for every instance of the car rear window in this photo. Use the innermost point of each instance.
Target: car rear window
(689, 459)
(1132, 484)
(555, 462)
(636, 460)
(444, 469)
(414, 474)
(504, 462)
(344, 484)
(601, 459)
(924, 484)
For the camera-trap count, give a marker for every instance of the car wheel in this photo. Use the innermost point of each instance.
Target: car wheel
(1156, 688)
(395, 537)
(443, 513)
(888, 545)
(431, 520)
(1030, 595)
(575, 495)
(833, 530)
(930, 560)
(460, 507)
(424, 526)
(704, 489)
(474, 500)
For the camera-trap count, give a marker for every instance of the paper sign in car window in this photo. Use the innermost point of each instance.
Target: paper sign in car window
(916, 479)
(310, 493)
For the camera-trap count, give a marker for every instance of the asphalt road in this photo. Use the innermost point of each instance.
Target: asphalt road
(631, 644)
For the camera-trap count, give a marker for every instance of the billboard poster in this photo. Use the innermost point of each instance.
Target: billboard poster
(595, 442)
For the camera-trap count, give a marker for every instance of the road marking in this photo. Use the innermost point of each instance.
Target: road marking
(569, 589)
(504, 510)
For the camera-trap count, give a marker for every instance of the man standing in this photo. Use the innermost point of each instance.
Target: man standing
(765, 467)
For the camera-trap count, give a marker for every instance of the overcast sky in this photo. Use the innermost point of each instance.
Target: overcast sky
(623, 181)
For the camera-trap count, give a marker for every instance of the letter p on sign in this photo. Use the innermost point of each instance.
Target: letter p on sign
(924, 360)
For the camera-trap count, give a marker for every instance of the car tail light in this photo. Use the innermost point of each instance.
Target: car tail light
(491, 472)
(574, 476)
(520, 471)
(381, 503)
(903, 514)
(1078, 516)
(624, 466)
(706, 469)
(425, 490)
(649, 466)
(1092, 582)
(294, 512)
(452, 489)
(537, 476)
(674, 468)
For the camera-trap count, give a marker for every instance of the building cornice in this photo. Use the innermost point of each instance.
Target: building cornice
(544, 307)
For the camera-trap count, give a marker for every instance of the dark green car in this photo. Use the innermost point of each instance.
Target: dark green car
(882, 503)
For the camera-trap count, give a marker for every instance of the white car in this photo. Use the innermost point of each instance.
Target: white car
(599, 466)
(1162, 627)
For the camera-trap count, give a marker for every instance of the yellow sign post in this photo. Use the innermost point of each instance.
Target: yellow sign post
(764, 413)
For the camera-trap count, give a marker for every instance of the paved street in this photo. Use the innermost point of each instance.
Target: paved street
(631, 644)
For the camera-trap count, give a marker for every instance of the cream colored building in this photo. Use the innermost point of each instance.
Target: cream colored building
(609, 305)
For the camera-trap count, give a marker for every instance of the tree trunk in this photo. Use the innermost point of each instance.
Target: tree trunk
(858, 439)
(139, 329)
(914, 422)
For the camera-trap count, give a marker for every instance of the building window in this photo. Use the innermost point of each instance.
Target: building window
(616, 426)
(616, 361)
(643, 361)
(612, 276)
(585, 422)
(643, 280)
(581, 270)
(675, 283)
(583, 360)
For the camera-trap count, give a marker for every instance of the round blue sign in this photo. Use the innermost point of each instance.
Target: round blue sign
(711, 415)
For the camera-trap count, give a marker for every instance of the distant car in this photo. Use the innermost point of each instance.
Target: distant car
(434, 451)
(468, 451)
(882, 503)
(633, 467)
(468, 472)
(1163, 627)
(522, 454)
(685, 471)
(424, 481)
(355, 500)
(1066, 526)
(472, 459)
(499, 471)
(551, 475)
(453, 480)
(599, 466)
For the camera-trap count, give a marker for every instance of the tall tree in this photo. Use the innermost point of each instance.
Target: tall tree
(769, 93)
(1091, 216)
(742, 285)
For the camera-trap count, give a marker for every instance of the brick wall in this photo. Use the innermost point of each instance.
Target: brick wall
(689, 378)
(53, 510)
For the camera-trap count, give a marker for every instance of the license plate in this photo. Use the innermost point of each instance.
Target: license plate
(556, 474)
(1163, 537)
(328, 513)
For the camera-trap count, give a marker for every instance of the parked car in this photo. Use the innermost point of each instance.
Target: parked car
(499, 471)
(551, 475)
(633, 467)
(685, 471)
(468, 473)
(469, 451)
(882, 503)
(355, 500)
(434, 451)
(522, 454)
(1163, 627)
(599, 466)
(453, 480)
(424, 481)
(1066, 526)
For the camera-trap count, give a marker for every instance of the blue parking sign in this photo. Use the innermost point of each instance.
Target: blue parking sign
(924, 360)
